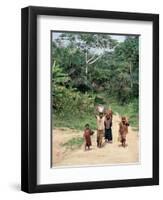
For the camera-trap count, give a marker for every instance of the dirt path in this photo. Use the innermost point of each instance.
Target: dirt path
(108, 154)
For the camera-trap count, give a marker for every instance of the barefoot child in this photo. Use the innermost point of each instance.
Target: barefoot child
(123, 130)
(87, 136)
(100, 128)
(108, 125)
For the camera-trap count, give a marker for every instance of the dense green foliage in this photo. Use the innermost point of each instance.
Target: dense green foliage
(90, 69)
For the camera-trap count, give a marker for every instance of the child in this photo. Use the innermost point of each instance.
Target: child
(108, 125)
(123, 130)
(100, 128)
(87, 136)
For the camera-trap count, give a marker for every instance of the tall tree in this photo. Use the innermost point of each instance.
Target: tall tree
(92, 46)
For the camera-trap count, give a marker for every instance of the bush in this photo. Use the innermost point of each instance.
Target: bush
(69, 101)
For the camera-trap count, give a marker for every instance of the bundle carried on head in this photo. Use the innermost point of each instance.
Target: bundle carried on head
(100, 108)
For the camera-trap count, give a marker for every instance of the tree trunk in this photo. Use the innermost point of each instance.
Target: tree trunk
(86, 67)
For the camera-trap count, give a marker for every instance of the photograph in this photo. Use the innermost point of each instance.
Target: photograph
(94, 99)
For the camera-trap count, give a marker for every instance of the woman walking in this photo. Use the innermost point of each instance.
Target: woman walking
(108, 127)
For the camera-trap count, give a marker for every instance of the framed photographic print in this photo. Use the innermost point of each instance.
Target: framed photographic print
(90, 99)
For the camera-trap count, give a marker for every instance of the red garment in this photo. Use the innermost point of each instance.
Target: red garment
(87, 136)
(123, 130)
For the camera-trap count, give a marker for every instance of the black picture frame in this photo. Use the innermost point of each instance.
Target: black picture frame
(29, 99)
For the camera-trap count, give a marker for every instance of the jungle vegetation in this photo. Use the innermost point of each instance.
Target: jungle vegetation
(90, 69)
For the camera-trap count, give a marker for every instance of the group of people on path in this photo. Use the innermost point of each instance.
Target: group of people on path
(104, 129)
